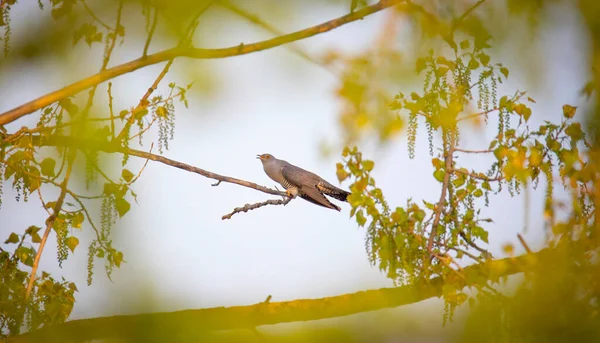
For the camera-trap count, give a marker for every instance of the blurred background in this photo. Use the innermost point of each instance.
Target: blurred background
(178, 252)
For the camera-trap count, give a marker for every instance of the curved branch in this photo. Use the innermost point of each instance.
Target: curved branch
(269, 313)
(176, 52)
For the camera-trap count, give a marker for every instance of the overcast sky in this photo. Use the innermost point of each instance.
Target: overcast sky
(174, 240)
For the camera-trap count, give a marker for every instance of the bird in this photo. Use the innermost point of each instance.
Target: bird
(299, 182)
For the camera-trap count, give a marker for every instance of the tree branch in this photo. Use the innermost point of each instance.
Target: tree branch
(49, 223)
(269, 313)
(182, 51)
(104, 146)
(249, 207)
(439, 209)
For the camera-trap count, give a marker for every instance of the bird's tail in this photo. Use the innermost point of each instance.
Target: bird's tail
(332, 191)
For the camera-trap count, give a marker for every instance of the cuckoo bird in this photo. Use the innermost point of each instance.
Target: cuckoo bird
(299, 182)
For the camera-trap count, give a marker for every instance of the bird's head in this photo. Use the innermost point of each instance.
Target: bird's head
(265, 158)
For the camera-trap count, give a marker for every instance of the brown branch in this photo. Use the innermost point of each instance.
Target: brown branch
(479, 176)
(249, 207)
(144, 100)
(473, 151)
(49, 223)
(439, 208)
(91, 144)
(269, 313)
(176, 52)
(524, 243)
(473, 245)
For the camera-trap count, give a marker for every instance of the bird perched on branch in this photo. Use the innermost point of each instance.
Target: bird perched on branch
(300, 182)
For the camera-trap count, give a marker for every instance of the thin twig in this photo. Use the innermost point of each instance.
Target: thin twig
(151, 33)
(466, 13)
(49, 223)
(113, 41)
(523, 243)
(112, 113)
(249, 207)
(143, 101)
(473, 151)
(93, 15)
(473, 245)
(440, 205)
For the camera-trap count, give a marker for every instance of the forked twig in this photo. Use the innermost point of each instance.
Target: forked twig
(249, 207)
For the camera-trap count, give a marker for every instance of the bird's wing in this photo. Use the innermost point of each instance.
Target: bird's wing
(306, 182)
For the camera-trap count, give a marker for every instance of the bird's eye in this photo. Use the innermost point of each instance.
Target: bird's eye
(267, 157)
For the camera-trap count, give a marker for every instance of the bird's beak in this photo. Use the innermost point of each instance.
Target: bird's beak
(259, 157)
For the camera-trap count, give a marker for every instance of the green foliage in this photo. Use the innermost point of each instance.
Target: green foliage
(415, 241)
(51, 301)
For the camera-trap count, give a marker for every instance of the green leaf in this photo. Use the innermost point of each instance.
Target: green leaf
(360, 218)
(419, 215)
(32, 229)
(473, 64)
(464, 44)
(48, 165)
(439, 175)
(478, 193)
(569, 111)
(77, 220)
(161, 112)
(504, 72)
(421, 64)
(22, 254)
(13, 238)
(574, 131)
(368, 165)
(355, 199)
(72, 243)
(485, 59)
(340, 172)
(122, 206)
(118, 258)
(127, 175)
(35, 238)
(110, 188)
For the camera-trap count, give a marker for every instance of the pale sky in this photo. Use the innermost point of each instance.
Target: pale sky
(174, 241)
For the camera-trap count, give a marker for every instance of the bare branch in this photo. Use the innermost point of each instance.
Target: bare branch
(249, 207)
(523, 243)
(189, 52)
(473, 151)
